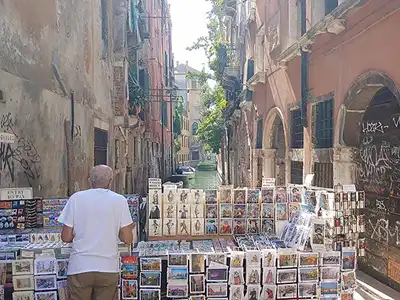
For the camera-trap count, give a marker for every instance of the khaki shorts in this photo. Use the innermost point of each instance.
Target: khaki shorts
(93, 286)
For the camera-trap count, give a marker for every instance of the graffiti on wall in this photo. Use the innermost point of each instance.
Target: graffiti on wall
(382, 232)
(21, 156)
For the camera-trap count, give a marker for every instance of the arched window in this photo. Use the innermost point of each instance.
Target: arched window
(195, 127)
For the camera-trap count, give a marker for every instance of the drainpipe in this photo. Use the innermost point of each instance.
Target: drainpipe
(72, 114)
(304, 66)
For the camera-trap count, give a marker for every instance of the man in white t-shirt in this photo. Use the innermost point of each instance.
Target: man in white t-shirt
(94, 221)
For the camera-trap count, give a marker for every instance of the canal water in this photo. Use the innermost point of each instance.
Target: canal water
(205, 180)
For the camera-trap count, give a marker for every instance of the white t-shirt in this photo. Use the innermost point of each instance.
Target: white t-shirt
(96, 216)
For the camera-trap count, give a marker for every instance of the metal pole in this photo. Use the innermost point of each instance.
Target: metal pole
(172, 132)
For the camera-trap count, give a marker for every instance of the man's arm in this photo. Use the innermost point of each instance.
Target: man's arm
(67, 219)
(126, 226)
(67, 234)
(126, 234)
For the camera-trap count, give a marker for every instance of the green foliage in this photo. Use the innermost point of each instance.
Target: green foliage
(178, 118)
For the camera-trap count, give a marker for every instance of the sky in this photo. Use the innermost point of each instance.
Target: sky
(189, 21)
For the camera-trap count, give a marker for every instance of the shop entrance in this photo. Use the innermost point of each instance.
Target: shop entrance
(278, 143)
(378, 174)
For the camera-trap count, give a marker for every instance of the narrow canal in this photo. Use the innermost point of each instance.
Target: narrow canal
(205, 180)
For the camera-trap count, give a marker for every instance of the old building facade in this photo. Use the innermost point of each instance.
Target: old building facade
(324, 100)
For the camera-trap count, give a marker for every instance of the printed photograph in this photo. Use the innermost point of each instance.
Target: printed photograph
(239, 196)
(150, 264)
(170, 211)
(217, 274)
(294, 208)
(197, 284)
(268, 226)
(269, 258)
(237, 259)
(197, 211)
(268, 211)
(155, 228)
(129, 289)
(149, 294)
(308, 290)
(155, 197)
(269, 275)
(318, 234)
(45, 266)
(239, 211)
(150, 279)
(253, 226)
(197, 297)
(236, 276)
(286, 291)
(169, 227)
(211, 196)
(287, 260)
(349, 280)
(62, 268)
(225, 227)
(281, 212)
(211, 211)
(23, 283)
(177, 275)
(236, 292)
(129, 267)
(177, 290)
(211, 226)
(45, 282)
(197, 196)
(197, 226)
(178, 260)
(308, 274)
(239, 226)
(330, 273)
(267, 195)
(280, 195)
(225, 210)
(216, 259)
(197, 263)
(183, 226)
(348, 260)
(155, 211)
(286, 276)
(253, 275)
(296, 194)
(22, 267)
(268, 292)
(170, 196)
(46, 296)
(225, 195)
(184, 196)
(308, 259)
(24, 295)
(253, 195)
(253, 258)
(329, 288)
(183, 211)
(217, 290)
(330, 258)
(253, 210)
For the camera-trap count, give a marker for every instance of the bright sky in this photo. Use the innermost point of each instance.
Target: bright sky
(188, 23)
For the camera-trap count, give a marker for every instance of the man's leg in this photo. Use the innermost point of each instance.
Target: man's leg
(105, 286)
(80, 286)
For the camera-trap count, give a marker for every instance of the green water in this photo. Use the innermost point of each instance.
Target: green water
(205, 180)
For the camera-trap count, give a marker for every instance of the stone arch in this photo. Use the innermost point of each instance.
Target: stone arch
(355, 103)
(275, 147)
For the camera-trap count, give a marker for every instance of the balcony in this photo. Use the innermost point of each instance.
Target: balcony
(143, 21)
(229, 8)
(231, 71)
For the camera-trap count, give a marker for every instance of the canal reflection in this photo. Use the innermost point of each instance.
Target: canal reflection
(205, 180)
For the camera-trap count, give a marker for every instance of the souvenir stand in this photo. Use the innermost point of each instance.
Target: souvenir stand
(294, 242)
(33, 259)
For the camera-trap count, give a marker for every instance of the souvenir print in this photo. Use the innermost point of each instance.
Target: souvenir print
(268, 258)
(197, 297)
(197, 263)
(45, 266)
(170, 211)
(253, 226)
(268, 211)
(253, 258)
(129, 267)
(155, 197)
(155, 211)
(308, 259)
(155, 228)
(281, 212)
(239, 196)
(331, 258)
(253, 196)
(45, 282)
(23, 295)
(330, 273)
(183, 211)
(170, 196)
(253, 292)
(253, 275)
(296, 194)
(294, 208)
(280, 195)
(225, 227)
(197, 226)
(46, 296)
(197, 211)
(268, 292)
(239, 211)
(211, 196)
(308, 274)
(197, 196)
(197, 284)
(318, 235)
(130, 287)
(22, 267)
(269, 275)
(23, 283)
(211, 211)
(286, 291)
(286, 276)
(217, 290)
(147, 280)
(361, 199)
(225, 195)
(343, 296)
(239, 226)
(62, 268)
(183, 226)
(308, 289)
(216, 259)
(177, 260)
(211, 226)
(329, 288)
(348, 259)
(169, 228)
(184, 196)
(150, 264)
(177, 275)
(268, 226)
(237, 259)
(267, 195)
(349, 280)
(236, 276)
(226, 210)
(177, 290)
(287, 259)
(253, 210)
(145, 294)
(236, 292)
(217, 274)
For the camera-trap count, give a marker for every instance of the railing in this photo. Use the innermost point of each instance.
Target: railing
(144, 28)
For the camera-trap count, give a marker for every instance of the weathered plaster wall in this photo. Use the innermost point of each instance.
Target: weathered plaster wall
(37, 39)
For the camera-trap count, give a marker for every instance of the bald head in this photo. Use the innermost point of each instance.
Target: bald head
(101, 177)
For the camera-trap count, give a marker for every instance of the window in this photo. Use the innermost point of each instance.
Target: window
(323, 174)
(259, 134)
(296, 172)
(100, 147)
(195, 127)
(193, 84)
(297, 129)
(195, 155)
(104, 27)
(164, 113)
(250, 68)
(324, 124)
(330, 5)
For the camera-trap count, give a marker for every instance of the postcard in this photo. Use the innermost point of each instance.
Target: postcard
(22, 267)
(225, 195)
(286, 291)
(216, 259)
(217, 274)
(318, 235)
(145, 294)
(197, 263)
(331, 258)
(349, 259)
(308, 259)
(267, 195)
(211, 196)
(62, 268)
(239, 211)
(287, 259)
(253, 226)
(199, 297)
(197, 284)
(183, 226)
(155, 211)
(170, 195)
(225, 226)
(268, 211)
(45, 282)
(169, 227)
(150, 264)
(150, 279)
(239, 226)
(170, 211)
(253, 275)
(46, 295)
(294, 208)
(45, 266)
(23, 283)
(281, 212)
(268, 226)
(129, 267)
(236, 292)
(197, 196)
(183, 211)
(197, 211)
(130, 288)
(236, 276)
(253, 195)
(197, 226)
(239, 196)
(253, 258)
(286, 276)
(308, 274)
(343, 296)
(211, 211)
(253, 292)
(349, 281)
(217, 290)
(330, 273)
(269, 258)
(177, 290)
(329, 288)
(280, 194)
(268, 292)
(178, 260)
(225, 210)
(308, 290)
(155, 227)
(211, 226)
(237, 258)
(253, 210)
(155, 197)
(177, 275)
(184, 196)
(269, 275)
(24, 296)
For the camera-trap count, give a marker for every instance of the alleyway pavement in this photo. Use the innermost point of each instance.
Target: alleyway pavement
(371, 289)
